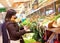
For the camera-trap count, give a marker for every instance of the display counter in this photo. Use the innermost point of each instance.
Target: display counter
(55, 35)
(56, 30)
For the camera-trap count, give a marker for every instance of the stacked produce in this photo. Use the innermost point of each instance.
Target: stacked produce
(38, 32)
(37, 29)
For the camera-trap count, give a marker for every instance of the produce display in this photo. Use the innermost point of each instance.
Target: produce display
(38, 29)
(50, 21)
(37, 32)
(37, 23)
(28, 36)
(41, 17)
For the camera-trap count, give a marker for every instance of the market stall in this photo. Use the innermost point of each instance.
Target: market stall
(39, 16)
(49, 10)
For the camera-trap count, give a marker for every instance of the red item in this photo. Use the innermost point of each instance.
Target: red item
(56, 41)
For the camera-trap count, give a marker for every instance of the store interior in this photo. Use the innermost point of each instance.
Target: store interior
(42, 17)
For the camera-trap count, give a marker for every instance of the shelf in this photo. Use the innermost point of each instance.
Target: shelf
(55, 30)
(46, 4)
(54, 35)
(41, 7)
(33, 11)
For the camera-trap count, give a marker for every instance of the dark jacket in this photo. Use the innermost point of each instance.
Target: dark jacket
(4, 33)
(14, 31)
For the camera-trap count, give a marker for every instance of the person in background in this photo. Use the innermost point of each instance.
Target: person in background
(14, 32)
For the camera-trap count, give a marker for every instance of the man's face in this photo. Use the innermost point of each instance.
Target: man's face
(13, 17)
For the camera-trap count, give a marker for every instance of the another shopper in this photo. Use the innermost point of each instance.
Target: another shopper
(13, 30)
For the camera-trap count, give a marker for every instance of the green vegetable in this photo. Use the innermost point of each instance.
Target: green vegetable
(38, 33)
(56, 17)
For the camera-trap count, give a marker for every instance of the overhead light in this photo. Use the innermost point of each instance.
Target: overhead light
(16, 0)
(1, 6)
(21, 0)
(8, 3)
